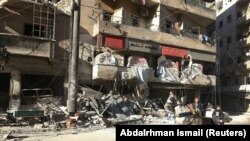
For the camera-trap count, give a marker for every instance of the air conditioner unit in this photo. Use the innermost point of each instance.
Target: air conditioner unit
(126, 75)
(144, 12)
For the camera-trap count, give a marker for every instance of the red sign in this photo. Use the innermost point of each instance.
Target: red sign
(172, 51)
(114, 42)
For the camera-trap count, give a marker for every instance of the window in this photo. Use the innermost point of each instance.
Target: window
(28, 30)
(225, 82)
(221, 43)
(107, 16)
(239, 60)
(229, 39)
(247, 80)
(239, 14)
(134, 21)
(229, 19)
(168, 26)
(229, 61)
(220, 24)
(236, 80)
(238, 37)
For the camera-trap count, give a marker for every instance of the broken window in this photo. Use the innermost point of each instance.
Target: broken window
(168, 26)
(28, 30)
(43, 21)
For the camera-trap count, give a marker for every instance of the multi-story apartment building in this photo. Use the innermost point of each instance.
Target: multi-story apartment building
(33, 43)
(232, 27)
(149, 29)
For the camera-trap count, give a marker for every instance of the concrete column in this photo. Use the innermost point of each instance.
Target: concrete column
(15, 89)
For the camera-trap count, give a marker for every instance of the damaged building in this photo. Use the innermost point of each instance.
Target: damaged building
(33, 47)
(134, 55)
(151, 45)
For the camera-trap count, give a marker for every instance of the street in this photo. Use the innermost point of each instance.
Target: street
(101, 134)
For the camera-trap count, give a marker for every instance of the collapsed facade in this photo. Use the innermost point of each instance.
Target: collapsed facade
(168, 45)
(232, 27)
(139, 48)
(33, 40)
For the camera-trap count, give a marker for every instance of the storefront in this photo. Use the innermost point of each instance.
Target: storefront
(114, 42)
(143, 46)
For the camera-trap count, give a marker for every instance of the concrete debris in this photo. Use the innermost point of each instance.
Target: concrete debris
(65, 6)
(2, 2)
(104, 110)
(5, 136)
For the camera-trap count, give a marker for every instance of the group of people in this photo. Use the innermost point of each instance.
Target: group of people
(197, 111)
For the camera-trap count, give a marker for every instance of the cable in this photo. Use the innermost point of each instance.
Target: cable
(16, 11)
(54, 78)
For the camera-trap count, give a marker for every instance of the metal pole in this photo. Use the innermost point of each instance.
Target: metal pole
(73, 66)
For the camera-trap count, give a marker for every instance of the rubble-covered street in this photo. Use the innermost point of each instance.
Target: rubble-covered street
(96, 133)
(75, 69)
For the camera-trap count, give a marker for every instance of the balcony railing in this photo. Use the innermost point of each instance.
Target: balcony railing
(199, 3)
(28, 46)
(162, 27)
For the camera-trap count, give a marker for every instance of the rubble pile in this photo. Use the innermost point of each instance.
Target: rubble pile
(64, 5)
(96, 109)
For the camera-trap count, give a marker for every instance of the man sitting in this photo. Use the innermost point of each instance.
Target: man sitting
(218, 116)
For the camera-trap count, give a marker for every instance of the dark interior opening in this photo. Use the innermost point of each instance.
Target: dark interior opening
(40, 86)
(4, 91)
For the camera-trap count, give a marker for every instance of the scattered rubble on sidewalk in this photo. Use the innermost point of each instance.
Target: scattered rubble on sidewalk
(93, 109)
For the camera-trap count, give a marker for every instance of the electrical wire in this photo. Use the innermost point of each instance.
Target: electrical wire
(16, 11)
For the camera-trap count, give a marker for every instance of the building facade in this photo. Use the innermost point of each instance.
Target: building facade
(34, 41)
(172, 42)
(232, 27)
(149, 29)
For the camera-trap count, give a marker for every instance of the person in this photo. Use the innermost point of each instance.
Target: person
(171, 102)
(209, 106)
(197, 110)
(218, 116)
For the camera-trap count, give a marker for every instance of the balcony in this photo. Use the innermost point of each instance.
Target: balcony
(243, 43)
(246, 65)
(28, 46)
(148, 3)
(242, 1)
(243, 19)
(151, 32)
(236, 88)
(109, 73)
(200, 9)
